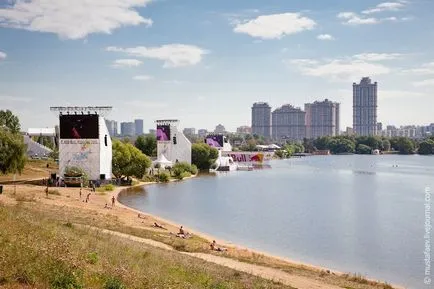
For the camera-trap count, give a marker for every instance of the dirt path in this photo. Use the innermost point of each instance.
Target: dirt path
(256, 270)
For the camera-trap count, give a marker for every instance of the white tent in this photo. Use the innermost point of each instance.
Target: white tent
(163, 161)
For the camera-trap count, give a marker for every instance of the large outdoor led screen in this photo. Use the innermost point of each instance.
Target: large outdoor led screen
(79, 127)
(163, 132)
(215, 141)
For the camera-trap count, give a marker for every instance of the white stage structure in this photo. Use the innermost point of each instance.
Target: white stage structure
(171, 142)
(84, 141)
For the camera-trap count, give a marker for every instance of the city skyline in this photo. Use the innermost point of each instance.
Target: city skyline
(149, 61)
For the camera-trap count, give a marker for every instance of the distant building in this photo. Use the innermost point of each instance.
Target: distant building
(244, 130)
(289, 123)
(365, 107)
(128, 129)
(379, 127)
(349, 131)
(153, 131)
(112, 127)
(202, 133)
(189, 131)
(322, 119)
(220, 129)
(138, 126)
(261, 119)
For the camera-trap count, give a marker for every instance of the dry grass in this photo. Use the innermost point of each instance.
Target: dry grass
(34, 169)
(40, 252)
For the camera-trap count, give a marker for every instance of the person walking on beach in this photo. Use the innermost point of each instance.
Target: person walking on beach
(113, 201)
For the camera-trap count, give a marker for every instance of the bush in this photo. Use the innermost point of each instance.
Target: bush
(92, 258)
(114, 283)
(149, 179)
(164, 177)
(183, 170)
(65, 279)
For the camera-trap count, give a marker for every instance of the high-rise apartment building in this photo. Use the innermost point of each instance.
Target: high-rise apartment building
(138, 126)
(289, 123)
(322, 119)
(365, 107)
(261, 119)
(202, 133)
(112, 127)
(128, 129)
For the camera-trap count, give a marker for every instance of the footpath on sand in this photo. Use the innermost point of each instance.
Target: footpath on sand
(256, 270)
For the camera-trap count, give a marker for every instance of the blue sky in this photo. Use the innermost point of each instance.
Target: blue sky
(206, 62)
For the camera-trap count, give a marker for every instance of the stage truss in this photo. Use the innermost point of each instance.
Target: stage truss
(69, 110)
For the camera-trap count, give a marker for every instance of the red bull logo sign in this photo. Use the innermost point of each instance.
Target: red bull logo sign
(249, 157)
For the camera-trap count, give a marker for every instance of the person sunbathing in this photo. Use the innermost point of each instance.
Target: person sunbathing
(213, 246)
(156, 225)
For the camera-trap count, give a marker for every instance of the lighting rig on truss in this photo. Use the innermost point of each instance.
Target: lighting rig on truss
(71, 110)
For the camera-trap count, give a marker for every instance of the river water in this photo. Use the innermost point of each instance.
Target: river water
(356, 214)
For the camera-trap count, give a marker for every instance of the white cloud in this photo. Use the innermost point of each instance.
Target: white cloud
(275, 26)
(173, 55)
(73, 19)
(427, 68)
(346, 69)
(352, 18)
(325, 37)
(142, 77)
(386, 6)
(378, 56)
(127, 63)
(2, 55)
(424, 83)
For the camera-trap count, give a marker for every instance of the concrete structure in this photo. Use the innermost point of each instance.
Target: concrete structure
(244, 130)
(220, 129)
(261, 119)
(93, 155)
(289, 123)
(171, 142)
(202, 133)
(322, 119)
(128, 129)
(191, 131)
(365, 107)
(112, 127)
(138, 126)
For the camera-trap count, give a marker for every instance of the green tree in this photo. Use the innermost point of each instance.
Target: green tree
(385, 146)
(147, 144)
(341, 145)
(9, 121)
(203, 156)
(128, 161)
(426, 147)
(12, 152)
(322, 143)
(404, 145)
(363, 149)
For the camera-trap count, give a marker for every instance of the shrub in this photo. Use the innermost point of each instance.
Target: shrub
(114, 283)
(183, 175)
(149, 179)
(164, 177)
(92, 258)
(183, 170)
(65, 279)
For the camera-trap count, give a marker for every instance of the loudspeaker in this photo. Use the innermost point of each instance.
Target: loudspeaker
(174, 140)
(105, 140)
(102, 176)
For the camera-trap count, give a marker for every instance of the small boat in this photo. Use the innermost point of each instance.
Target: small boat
(245, 167)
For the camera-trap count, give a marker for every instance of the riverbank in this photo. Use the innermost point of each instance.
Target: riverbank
(65, 205)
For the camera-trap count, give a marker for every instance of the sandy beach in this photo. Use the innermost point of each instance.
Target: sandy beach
(291, 272)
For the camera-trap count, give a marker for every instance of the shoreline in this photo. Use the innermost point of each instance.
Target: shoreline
(229, 244)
